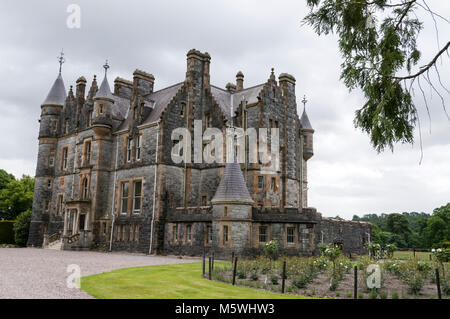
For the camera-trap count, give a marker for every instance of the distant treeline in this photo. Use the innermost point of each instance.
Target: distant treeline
(411, 230)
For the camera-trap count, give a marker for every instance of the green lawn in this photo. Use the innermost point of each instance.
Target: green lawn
(183, 281)
(421, 255)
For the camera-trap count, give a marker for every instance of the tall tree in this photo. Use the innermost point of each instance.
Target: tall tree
(377, 41)
(398, 224)
(5, 178)
(16, 197)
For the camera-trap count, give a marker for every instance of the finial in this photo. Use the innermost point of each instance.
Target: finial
(273, 70)
(304, 101)
(61, 60)
(106, 67)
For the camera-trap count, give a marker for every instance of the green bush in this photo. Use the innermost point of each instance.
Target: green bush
(274, 279)
(300, 281)
(254, 276)
(21, 228)
(6, 232)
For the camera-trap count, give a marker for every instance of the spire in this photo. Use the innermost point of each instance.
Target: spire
(104, 90)
(57, 94)
(61, 60)
(304, 120)
(232, 188)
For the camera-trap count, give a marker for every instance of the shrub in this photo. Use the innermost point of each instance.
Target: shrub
(274, 279)
(271, 248)
(254, 276)
(414, 282)
(446, 288)
(300, 281)
(6, 232)
(360, 295)
(373, 294)
(390, 249)
(349, 294)
(383, 295)
(334, 282)
(21, 228)
(394, 295)
(241, 274)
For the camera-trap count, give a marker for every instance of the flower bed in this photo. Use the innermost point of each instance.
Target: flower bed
(332, 275)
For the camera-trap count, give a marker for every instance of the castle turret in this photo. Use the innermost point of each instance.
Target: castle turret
(49, 130)
(232, 212)
(103, 107)
(307, 150)
(307, 134)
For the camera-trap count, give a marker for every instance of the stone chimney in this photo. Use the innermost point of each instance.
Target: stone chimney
(123, 88)
(81, 89)
(231, 87)
(239, 81)
(143, 82)
(198, 65)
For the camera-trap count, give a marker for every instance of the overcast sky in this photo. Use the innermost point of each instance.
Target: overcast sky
(346, 176)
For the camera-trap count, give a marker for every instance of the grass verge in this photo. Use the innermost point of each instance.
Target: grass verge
(182, 281)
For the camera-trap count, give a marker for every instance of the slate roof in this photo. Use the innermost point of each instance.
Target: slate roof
(232, 186)
(304, 121)
(57, 94)
(158, 101)
(227, 99)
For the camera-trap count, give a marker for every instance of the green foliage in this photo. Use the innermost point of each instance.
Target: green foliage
(409, 230)
(16, 197)
(254, 276)
(271, 248)
(21, 228)
(377, 42)
(274, 279)
(398, 224)
(441, 254)
(390, 249)
(5, 178)
(6, 232)
(394, 295)
(373, 294)
(373, 248)
(383, 295)
(300, 281)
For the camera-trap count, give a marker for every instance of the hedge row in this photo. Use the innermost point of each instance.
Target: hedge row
(6, 232)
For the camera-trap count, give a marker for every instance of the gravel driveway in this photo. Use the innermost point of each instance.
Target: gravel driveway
(42, 273)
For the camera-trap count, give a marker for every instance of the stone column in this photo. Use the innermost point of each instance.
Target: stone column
(66, 222)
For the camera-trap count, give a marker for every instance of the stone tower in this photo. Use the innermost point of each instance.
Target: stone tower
(232, 212)
(307, 133)
(49, 129)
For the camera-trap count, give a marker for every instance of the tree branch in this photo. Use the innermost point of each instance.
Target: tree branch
(426, 67)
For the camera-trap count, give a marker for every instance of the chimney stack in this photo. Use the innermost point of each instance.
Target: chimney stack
(239, 81)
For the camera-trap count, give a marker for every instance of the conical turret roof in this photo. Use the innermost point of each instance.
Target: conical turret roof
(104, 91)
(232, 186)
(57, 94)
(304, 120)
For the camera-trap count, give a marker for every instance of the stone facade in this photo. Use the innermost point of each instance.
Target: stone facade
(105, 177)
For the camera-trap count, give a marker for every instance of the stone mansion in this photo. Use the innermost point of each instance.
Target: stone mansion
(105, 178)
